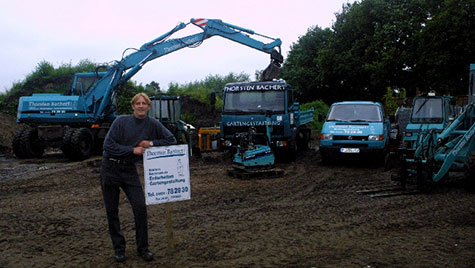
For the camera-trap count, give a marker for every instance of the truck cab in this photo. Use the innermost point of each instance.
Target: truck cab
(354, 129)
(258, 104)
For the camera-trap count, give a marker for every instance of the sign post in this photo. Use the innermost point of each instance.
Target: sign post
(167, 179)
(171, 242)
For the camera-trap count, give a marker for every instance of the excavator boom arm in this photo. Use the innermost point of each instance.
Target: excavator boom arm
(123, 70)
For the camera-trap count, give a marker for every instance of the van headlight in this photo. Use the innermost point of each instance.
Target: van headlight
(325, 136)
(375, 137)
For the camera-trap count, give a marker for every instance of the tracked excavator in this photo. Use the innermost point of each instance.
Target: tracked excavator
(78, 122)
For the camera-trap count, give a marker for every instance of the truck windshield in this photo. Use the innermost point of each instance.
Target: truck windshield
(427, 110)
(254, 101)
(355, 113)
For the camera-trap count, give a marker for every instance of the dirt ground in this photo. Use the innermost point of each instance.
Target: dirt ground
(52, 215)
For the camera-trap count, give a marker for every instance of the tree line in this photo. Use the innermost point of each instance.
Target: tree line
(48, 79)
(417, 45)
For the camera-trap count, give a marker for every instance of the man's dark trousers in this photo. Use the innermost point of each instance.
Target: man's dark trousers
(115, 175)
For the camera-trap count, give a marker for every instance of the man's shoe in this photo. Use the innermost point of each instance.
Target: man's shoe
(146, 255)
(119, 256)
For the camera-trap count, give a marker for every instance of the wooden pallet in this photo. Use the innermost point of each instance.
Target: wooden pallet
(255, 174)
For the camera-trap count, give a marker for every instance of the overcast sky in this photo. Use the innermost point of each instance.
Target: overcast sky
(64, 31)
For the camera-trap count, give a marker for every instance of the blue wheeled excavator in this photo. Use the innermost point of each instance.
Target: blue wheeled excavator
(77, 123)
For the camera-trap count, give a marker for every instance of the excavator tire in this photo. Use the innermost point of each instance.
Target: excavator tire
(66, 146)
(82, 143)
(17, 147)
(26, 144)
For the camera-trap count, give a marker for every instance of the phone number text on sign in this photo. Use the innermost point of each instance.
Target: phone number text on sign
(166, 174)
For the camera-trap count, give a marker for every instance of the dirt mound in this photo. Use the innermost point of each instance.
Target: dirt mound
(8, 127)
(204, 114)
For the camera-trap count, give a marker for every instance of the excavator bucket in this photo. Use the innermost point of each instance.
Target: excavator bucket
(273, 70)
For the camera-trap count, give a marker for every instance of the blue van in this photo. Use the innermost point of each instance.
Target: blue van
(355, 129)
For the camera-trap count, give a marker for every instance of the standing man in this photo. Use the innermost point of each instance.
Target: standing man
(124, 145)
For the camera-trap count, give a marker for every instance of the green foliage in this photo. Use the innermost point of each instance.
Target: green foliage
(375, 44)
(300, 68)
(48, 79)
(401, 93)
(219, 104)
(44, 69)
(126, 92)
(44, 79)
(389, 100)
(201, 90)
(153, 87)
(389, 103)
(211, 83)
(188, 118)
(320, 111)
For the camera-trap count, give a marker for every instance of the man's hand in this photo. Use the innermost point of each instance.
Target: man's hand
(139, 150)
(145, 144)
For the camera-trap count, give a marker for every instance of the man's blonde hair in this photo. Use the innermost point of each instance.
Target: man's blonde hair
(138, 95)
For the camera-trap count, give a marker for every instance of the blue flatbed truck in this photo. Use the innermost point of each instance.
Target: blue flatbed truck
(355, 129)
(250, 104)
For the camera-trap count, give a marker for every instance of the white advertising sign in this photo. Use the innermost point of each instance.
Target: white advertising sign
(166, 174)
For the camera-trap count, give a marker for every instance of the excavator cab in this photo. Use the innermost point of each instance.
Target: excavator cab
(167, 109)
(83, 82)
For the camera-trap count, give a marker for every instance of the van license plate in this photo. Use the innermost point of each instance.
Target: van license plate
(350, 150)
